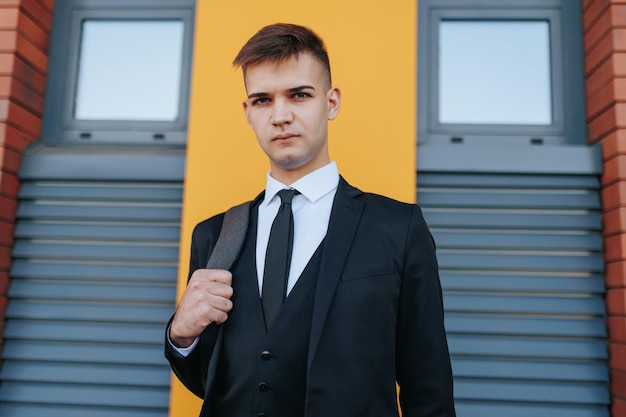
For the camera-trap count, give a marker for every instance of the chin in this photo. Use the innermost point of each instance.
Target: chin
(289, 162)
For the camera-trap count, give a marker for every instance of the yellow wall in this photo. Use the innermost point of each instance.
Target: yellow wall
(372, 48)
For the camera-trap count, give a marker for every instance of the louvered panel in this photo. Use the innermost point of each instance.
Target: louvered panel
(84, 310)
(98, 211)
(104, 231)
(507, 368)
(84, 331)
(52, 410)
(71, 269)
(520, 261)
(84, 394)
(518, 240)
(121, 292)
(521, 267)
(510, 198)
(69, 352)
(505, 303)
(126, 375)
(531, 391)
(506, 181)
(486, 324)
(518, 409)
(523, 346)
(505, 219)
(90, 250)
(109, 191)
(93, 282)
(490, 281)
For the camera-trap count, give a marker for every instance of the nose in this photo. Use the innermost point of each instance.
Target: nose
(281, 112)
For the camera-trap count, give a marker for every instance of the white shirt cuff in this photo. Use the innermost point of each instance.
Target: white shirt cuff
(181, 352)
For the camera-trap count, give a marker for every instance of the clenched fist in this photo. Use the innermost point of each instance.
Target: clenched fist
(206, 300)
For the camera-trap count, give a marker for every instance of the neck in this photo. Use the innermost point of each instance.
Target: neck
(289, 176)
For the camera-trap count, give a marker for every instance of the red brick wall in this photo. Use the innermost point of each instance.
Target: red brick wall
(604, 27)
(24, 40)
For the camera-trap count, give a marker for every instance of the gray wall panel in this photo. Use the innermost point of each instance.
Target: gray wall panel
(93, 284)
(521, 265)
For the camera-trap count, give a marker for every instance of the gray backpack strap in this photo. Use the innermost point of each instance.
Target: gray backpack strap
(230, 240)
(225, 252)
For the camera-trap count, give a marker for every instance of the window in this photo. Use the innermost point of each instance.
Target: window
(124, 75)
(495, 72)
(129, 70)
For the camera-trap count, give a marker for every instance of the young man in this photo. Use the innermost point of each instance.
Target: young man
(360, 307)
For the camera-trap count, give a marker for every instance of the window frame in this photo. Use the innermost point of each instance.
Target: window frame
(566, 76)
(60, 126)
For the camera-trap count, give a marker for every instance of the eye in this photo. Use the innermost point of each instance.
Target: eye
(260, 101)
(301, 95)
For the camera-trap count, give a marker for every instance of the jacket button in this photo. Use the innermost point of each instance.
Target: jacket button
(266, 355)
(264, 387)
(262, 415)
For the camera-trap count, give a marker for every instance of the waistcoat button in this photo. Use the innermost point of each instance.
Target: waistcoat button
(264, 387)
(266, 355)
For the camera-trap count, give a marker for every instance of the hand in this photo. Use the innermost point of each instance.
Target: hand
(206, 300)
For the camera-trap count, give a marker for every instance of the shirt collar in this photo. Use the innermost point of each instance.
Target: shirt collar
(313, 186)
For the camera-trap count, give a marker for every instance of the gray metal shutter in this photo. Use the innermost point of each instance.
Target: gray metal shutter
(522, 270)
(93, 284)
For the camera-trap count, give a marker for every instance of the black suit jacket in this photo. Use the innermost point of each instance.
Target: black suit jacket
(377, 319)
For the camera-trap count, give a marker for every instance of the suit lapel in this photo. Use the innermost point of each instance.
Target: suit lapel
(344, 220)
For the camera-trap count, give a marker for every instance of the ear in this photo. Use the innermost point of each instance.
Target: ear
(334, 102)
(246, 111)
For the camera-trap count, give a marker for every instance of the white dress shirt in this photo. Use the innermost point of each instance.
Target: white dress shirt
(311, 214)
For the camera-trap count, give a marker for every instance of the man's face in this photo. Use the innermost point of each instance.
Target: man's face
(289, 105)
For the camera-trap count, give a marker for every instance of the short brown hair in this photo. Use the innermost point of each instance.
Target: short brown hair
(281, 41)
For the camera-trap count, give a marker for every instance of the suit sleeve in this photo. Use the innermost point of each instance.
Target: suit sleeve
(192, 370)
(423, 362)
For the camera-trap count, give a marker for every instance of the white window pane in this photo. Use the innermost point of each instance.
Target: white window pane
(129, 70)
(494, 72)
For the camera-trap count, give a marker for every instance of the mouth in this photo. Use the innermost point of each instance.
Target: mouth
(284, 136)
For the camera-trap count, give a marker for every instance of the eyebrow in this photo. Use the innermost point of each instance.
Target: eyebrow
(291, 90)
(300, 88)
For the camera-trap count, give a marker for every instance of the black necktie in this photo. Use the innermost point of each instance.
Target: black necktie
(278, 258)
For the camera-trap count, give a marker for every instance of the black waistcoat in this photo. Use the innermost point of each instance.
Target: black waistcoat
(264, 372)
